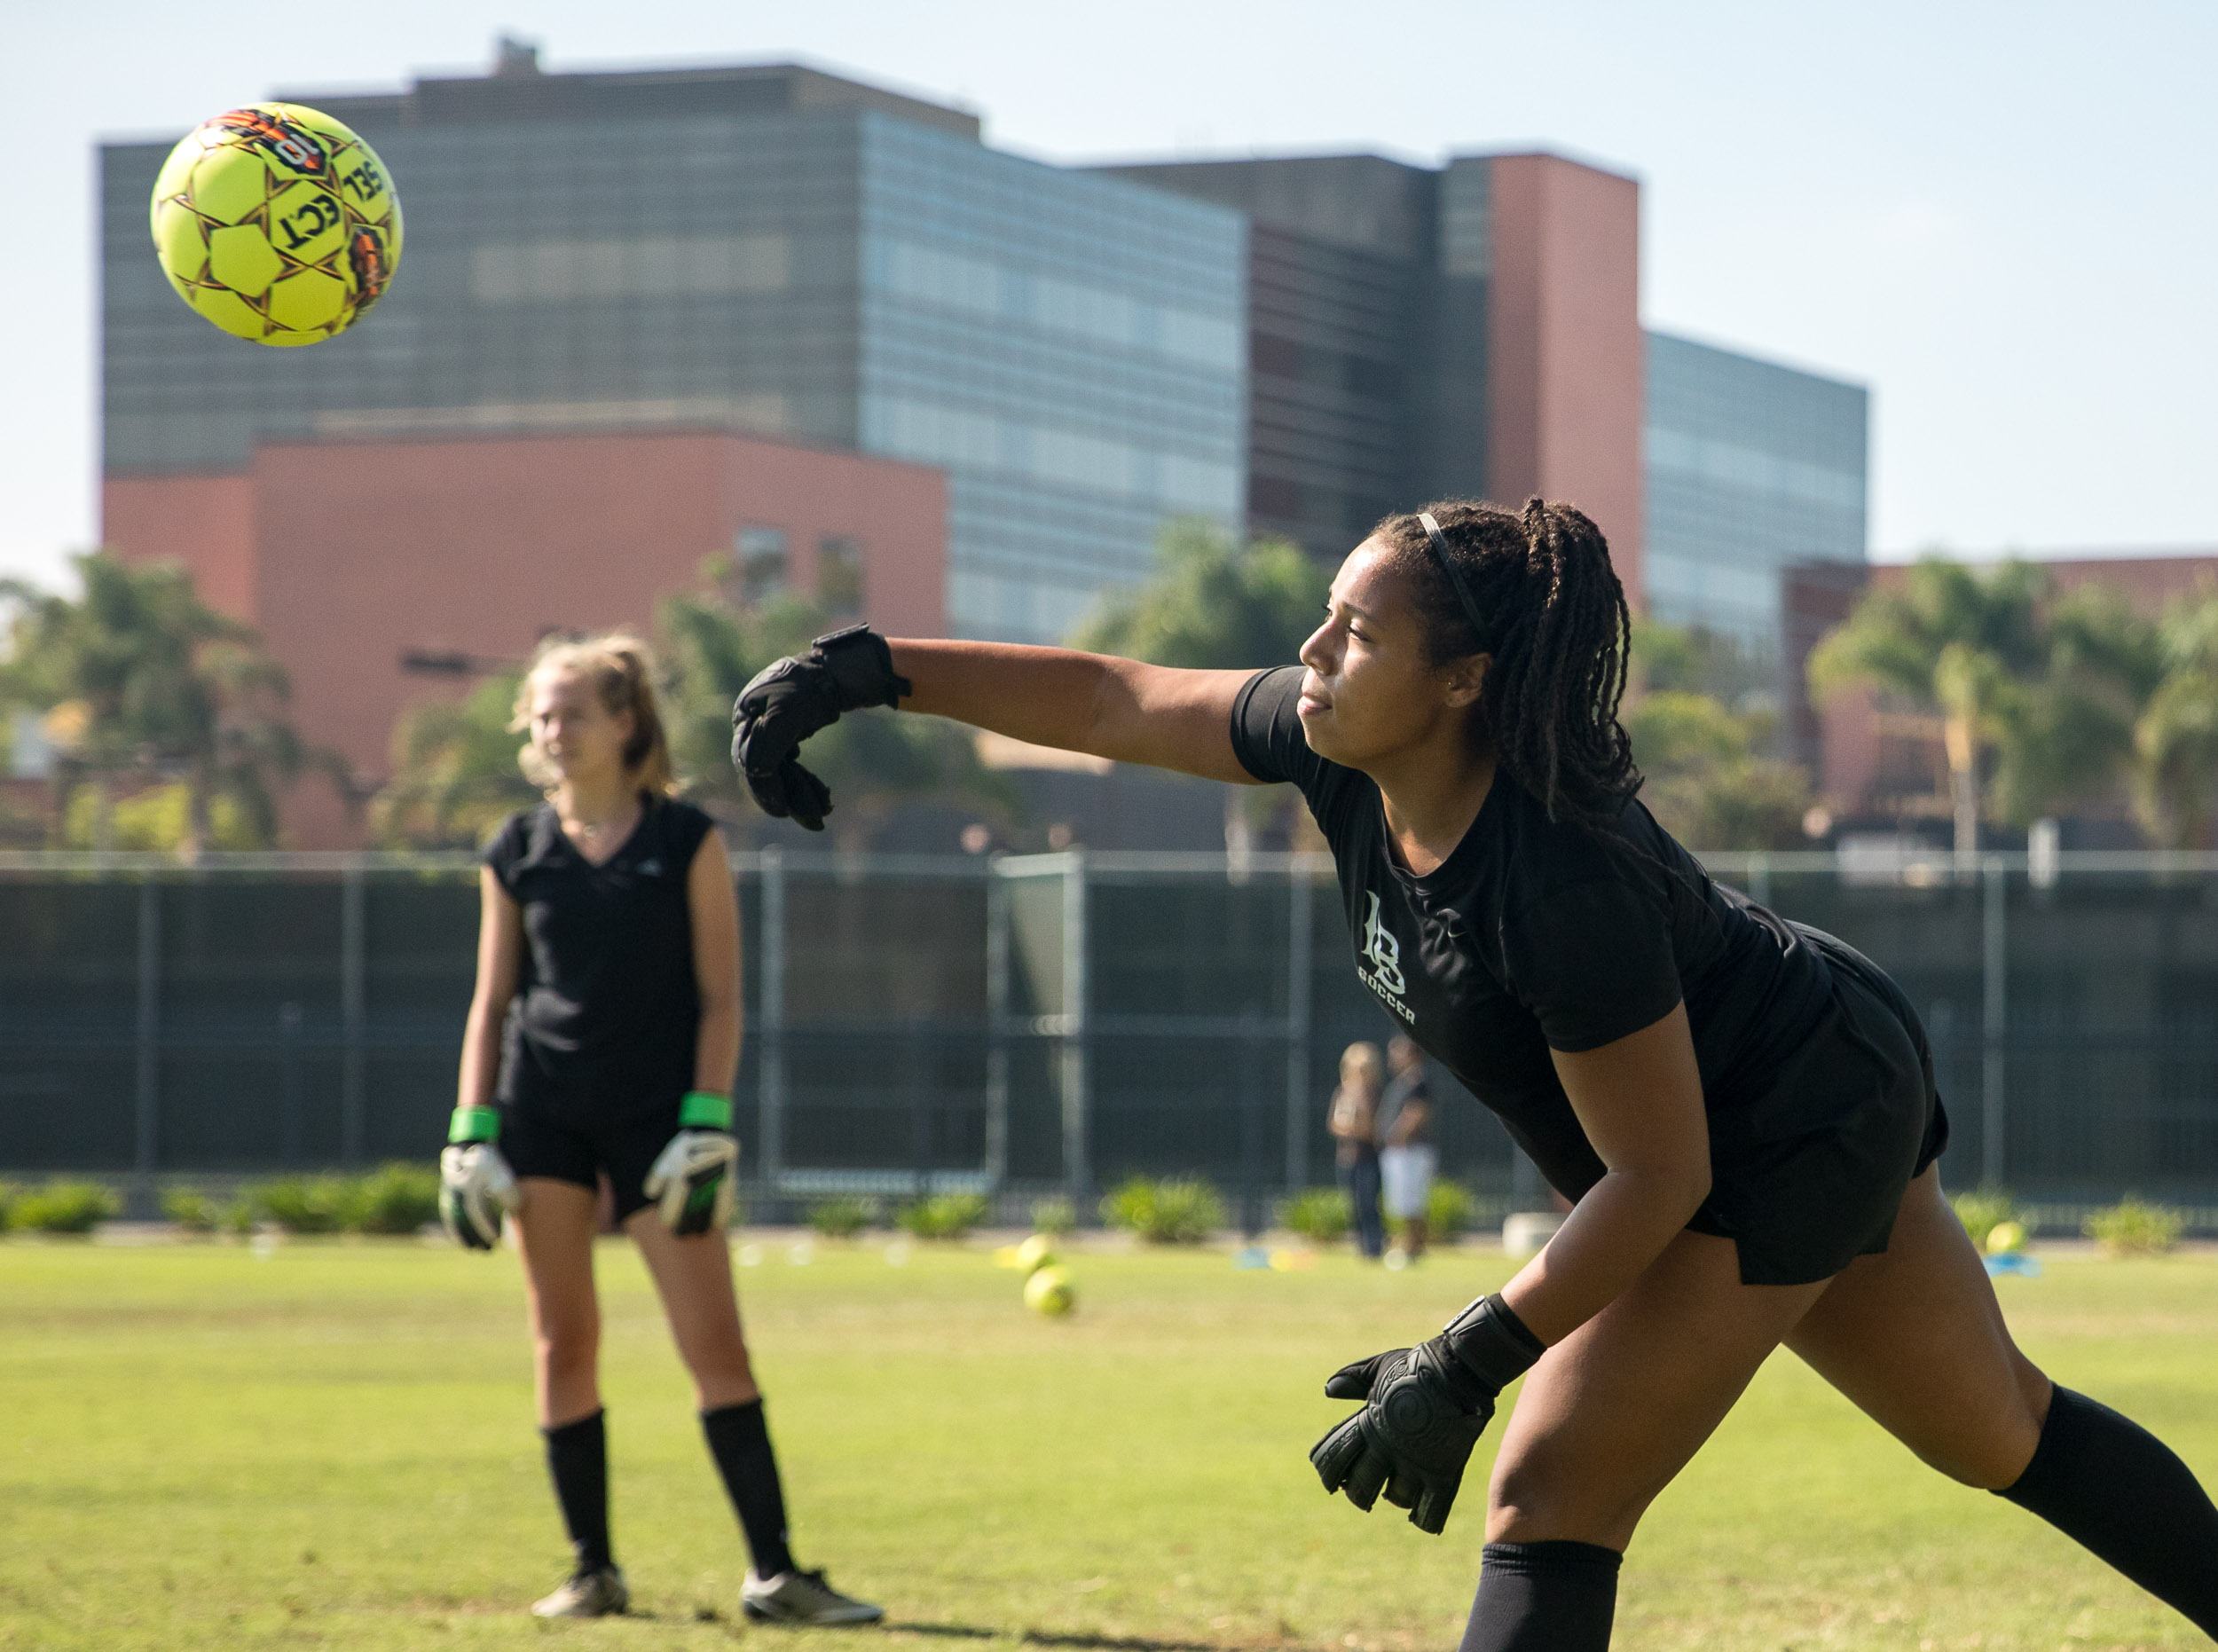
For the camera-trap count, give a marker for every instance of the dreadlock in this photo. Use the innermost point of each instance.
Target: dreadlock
(1553, 615)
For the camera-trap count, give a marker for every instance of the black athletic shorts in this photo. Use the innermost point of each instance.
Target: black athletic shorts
(574, 1133)
(1809, 1176)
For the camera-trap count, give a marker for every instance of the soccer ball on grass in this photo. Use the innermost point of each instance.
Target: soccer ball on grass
(278, 224)
(1050, 1291)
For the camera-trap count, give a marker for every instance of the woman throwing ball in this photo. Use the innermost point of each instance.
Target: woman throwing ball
(602, 1043)
(1742, 1108)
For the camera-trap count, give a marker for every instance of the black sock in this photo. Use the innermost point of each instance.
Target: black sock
(578, 1455)
(1544, 1597)
(2111, 1485)
(740, 1442)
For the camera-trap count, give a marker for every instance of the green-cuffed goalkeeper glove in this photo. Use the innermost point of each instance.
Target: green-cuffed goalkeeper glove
(475, 1184)
(692, 1178)
(1424, 1409)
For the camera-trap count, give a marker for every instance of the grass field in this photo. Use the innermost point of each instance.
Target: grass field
(331, 1446)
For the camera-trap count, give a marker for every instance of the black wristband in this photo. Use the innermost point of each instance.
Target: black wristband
(1492, 1343)
(861, 667)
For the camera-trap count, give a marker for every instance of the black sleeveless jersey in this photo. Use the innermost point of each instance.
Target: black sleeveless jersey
(607, 991)
(1534, 935)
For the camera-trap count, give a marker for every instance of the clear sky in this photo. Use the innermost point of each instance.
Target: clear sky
(1999, 217)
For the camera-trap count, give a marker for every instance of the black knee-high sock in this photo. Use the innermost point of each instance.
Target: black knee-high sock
(1544, 1597)
(740, 1440)
(2110, 1485)
(577, 1456)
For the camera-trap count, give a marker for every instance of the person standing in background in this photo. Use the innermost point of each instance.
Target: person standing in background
(1354, 1124)
(1406, 1159)
(600, 1051)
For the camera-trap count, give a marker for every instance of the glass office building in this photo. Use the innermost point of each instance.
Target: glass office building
(1367, 316)
(1750, 469)
(1071, 347)
(768, 249)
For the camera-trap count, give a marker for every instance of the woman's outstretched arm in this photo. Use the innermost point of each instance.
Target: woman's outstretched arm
(1092, 703)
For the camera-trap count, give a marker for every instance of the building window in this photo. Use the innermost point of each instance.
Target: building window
(839, 575)
(760, 552)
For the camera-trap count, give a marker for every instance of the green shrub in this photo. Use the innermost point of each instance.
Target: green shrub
(1981, 1212)
(944, 1216)
(190, 1209)
(63, 1208)
(1054, 1217)
(1320, 1214)
(2133, 1228)
(9, 1194)
(396, 1198)
(238, 1218)
(1448, 1211)
(842, 1218)
(1169, 1210)
(322, 1203)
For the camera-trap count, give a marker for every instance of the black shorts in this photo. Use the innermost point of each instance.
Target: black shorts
(1809, 1176)
(579, 1133)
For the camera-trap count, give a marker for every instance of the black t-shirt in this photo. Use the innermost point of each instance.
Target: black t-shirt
(607, 968)
(1535, 935)
(1400, 1093)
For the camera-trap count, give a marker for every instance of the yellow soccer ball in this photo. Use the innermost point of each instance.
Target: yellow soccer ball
(1050, 1291)
(1035, 1253)
(277, 223)
(2005, 1239)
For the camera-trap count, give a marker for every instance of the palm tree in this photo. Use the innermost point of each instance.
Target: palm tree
(1704, 778)
(875, 761)
(146, 682)
(2175, 740)
(454, 771)
(2068, 732)
(2043, 695)
(1215, 605)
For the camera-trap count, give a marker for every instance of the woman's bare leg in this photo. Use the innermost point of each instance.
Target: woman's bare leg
(1916, 1338)
(1615, 1410)
(1607, 1417)
(554, 1224)
(694, 1277)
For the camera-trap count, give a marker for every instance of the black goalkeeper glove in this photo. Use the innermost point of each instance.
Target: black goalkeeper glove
(1424, 1409)
(792, 699)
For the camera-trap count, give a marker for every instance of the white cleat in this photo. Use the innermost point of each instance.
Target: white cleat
(802, 1597)
(587, 1594)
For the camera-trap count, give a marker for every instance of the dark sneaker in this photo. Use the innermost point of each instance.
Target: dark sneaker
(588, 1594)
(802, 1597)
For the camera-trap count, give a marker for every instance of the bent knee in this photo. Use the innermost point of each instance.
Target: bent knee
(568, 1347)
(1991, 1462)
(1525, 1504)
(722, 1360)
(1991, 1452)
(1989, 1458)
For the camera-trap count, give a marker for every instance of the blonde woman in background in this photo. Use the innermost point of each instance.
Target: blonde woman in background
(602, 1044)
(1354, 1123)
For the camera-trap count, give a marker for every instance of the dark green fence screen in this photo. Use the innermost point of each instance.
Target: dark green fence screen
(1032, 1021)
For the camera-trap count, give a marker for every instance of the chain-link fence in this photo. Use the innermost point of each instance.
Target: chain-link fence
(1024, 1023)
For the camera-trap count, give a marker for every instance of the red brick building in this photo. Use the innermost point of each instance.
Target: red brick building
(1567, 378)
(1879, 763)
(352, 558)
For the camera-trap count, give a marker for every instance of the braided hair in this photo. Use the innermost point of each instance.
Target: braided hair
(1553, 615)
